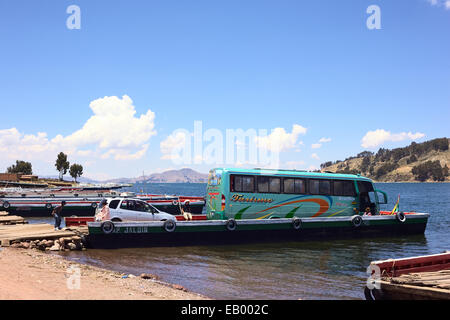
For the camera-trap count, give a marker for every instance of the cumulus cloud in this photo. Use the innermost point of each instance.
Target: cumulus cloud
(440, 3)
(279, 140)
(324, 140)
(373, 139)
(316, 145)
(315, 156)
(113, 130)
(171, 146)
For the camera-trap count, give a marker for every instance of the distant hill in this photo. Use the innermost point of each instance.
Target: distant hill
(426, 161)
(185, 175)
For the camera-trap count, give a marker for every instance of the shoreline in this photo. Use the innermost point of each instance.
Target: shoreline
(27, 274)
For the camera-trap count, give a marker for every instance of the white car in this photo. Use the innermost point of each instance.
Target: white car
(126, 209)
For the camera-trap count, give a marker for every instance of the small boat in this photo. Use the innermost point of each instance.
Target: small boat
(414, 278)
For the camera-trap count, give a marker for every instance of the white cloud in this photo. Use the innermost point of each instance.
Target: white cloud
(440, 3)
(373, 139)
(324, 140)
(279, 140)
(294, 164)
(316, 145)
(171, 146)
(113, 130)
(315, 156)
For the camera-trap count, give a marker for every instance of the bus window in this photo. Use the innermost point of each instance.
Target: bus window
(296, 186)
(325, 187)
(365, 186)
(300, 186)
(344, 188)
(263, 184)
(322, 187)
(274, 185)
(289, 186)
(243, 184)
(314, 186)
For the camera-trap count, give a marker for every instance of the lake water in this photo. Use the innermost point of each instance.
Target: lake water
(307, 270)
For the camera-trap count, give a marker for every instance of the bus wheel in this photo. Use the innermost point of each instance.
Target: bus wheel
(231, 225)
(297, 223)
(107, 227)
(169, 226)
(357, 221)
(401, 217)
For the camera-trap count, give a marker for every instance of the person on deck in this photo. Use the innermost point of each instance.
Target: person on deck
(104, 213)
(187, 211)
(56, 213)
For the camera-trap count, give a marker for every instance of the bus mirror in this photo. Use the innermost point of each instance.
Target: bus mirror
(385, 198)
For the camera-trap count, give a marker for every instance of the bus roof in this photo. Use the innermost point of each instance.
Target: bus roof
(283, 172)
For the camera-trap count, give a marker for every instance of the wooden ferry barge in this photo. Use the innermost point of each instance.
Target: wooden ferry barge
(210, 232)
(270, 205)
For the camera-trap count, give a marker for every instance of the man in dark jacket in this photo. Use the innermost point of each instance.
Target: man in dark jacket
(56, 213)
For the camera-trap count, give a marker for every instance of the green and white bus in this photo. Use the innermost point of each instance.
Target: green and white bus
(268, 194)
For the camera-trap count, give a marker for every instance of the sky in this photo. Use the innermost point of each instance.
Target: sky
(123, 86)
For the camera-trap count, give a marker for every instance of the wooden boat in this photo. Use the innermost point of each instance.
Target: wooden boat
(414, 278)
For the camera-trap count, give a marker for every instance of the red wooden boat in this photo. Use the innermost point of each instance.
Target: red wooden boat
(417, 278)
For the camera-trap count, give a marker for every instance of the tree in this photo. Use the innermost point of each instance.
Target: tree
(62, 165)
(76, 170)
(21, 167)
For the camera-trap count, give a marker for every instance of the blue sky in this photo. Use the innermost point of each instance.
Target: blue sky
(230, 64)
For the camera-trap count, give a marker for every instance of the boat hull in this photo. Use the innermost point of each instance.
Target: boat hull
(214, 232)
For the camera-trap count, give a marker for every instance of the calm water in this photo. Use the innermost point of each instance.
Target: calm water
(307, 270)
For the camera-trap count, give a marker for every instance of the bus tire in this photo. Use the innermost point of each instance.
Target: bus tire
(6, 204)
(169, 225)
(107, 227)
(297, 223)
(401, 217)
(48, 206)
(357, 221)
(231, 224)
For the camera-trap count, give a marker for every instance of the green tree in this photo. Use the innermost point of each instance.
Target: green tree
(62, 165)
(76, 170)
(21, 167)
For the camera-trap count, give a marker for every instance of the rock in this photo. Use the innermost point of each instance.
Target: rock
(149, 276)
(179, 287)
(55, 247)
(16, 245)
(25, 245)
(71, 246)
(50, 243)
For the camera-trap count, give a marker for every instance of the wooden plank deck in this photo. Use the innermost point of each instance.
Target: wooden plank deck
(6, 219)
(9, 233)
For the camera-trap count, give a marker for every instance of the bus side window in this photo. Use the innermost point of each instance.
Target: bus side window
(344, 188)
(274, 185)
(263, 184)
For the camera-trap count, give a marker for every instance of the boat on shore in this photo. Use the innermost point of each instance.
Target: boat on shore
(413, 278)
(83, 201)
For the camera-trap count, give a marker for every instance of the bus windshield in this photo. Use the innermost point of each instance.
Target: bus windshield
(215, 177)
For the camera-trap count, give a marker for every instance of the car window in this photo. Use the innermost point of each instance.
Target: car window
(128, 205)
(113, 204)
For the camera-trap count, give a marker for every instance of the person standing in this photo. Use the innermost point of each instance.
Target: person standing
(56, 213)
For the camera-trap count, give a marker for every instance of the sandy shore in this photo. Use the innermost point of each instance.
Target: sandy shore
(34, 275)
